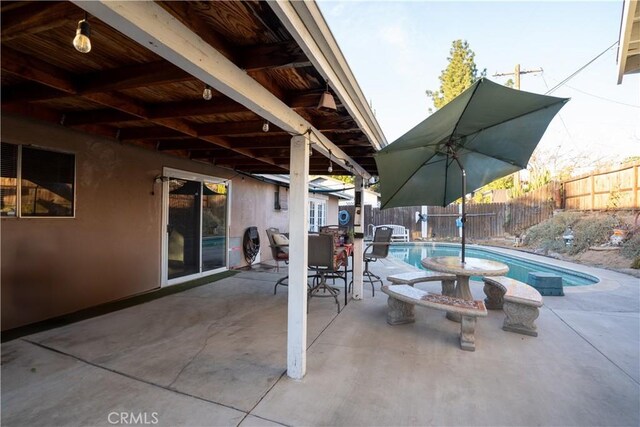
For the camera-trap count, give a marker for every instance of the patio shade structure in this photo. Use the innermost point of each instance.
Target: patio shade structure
(485, 133)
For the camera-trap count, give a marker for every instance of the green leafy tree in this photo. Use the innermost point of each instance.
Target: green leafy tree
(347, 179)
(481, 196)
(458, 76)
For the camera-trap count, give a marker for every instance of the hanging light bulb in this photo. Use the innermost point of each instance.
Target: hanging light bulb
(206, 93)
(81, 41)
(265, 126)
(330, 168)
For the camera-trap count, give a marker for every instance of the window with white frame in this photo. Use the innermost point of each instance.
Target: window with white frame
(317, 214)
(36, 182)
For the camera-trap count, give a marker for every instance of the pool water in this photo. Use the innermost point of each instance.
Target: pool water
(519, 268)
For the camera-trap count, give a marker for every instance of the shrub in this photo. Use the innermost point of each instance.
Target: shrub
(592, 230)
(548, 234)
(631, 247)
(636, 263)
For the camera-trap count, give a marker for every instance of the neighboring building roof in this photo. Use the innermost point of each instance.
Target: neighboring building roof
(629, 41)
(314, 187)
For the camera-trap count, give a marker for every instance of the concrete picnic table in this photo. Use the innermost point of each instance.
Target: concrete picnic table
(471, 267)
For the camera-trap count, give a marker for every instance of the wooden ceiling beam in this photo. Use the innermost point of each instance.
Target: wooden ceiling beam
(273, 141)
(184, 12)
(36, 17)
(235, 128)
(186, 46)
(40, 112)
(217, 105)
(274, 55)
(227, 162)
(29, 92)
(149, 133)
(100, 116)
(34, 69)
(46, 74)
(334, 124)
(186, 144)
(134, 76)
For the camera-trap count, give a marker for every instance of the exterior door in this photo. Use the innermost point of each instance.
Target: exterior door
(183, 228)
(196, 218)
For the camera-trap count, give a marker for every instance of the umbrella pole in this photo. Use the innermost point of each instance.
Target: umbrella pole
(464, 214)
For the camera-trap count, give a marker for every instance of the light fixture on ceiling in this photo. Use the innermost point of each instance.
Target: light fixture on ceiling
(206, 93)
(330, 168)
(265, 126)
(82, 41)
(327, 102)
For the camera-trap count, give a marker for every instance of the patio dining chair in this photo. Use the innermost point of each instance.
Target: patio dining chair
(340, 237)
(279, 244)
(377, 249)
(324, 262)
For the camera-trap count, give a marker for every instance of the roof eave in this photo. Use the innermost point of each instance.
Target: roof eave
(629, 40)
(307, 26)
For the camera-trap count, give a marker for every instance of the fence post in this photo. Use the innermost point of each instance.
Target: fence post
(635, 187)
(593, 192)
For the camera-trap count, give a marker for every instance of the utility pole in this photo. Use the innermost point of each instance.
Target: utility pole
(517, 73)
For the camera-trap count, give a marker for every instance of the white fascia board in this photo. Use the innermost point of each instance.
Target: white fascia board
(151, 26)
(307, 26)
(629, 11)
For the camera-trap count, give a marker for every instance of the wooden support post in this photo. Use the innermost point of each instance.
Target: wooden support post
(358, 244)
(298, 255)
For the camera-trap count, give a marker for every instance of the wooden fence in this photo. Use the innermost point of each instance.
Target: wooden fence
(483, 220)
(615, 188)
(610, 189)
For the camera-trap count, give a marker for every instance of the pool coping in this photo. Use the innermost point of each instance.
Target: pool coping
(607, 279)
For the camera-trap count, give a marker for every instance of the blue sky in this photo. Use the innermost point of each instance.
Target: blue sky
(397, 50)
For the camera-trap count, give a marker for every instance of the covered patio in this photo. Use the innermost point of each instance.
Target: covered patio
(207, 89)
(216, 359)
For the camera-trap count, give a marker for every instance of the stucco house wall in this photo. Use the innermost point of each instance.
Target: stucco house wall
(112, 248)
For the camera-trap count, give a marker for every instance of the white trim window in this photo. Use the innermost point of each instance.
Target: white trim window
(317, 214)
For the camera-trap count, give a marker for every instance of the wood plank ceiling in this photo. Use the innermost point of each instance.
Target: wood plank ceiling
(124, 91)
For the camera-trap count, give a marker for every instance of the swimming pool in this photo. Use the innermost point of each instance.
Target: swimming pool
(519, 268)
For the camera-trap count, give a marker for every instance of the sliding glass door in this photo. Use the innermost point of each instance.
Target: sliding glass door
(195, 215)
(214, 226)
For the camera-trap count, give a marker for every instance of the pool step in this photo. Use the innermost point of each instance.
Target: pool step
(548, 284)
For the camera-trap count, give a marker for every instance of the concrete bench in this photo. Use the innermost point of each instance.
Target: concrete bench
(448, 280)
(402, 299)
(519, 301)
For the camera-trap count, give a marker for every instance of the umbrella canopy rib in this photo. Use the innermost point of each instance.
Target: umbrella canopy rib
(466, 107)
(411, 176)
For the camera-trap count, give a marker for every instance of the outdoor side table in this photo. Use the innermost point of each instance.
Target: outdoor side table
(471, 267)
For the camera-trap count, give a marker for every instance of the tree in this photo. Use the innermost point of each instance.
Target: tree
(458, 76)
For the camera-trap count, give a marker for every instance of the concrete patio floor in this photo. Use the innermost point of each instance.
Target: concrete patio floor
(216, 355)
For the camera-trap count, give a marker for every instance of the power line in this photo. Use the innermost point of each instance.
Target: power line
(602, 97)
(559, 115)
(580, 69)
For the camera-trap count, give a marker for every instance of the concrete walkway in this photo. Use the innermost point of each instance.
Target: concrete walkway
(216, 355)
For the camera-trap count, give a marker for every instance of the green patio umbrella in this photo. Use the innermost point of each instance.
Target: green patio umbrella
(485, 133)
